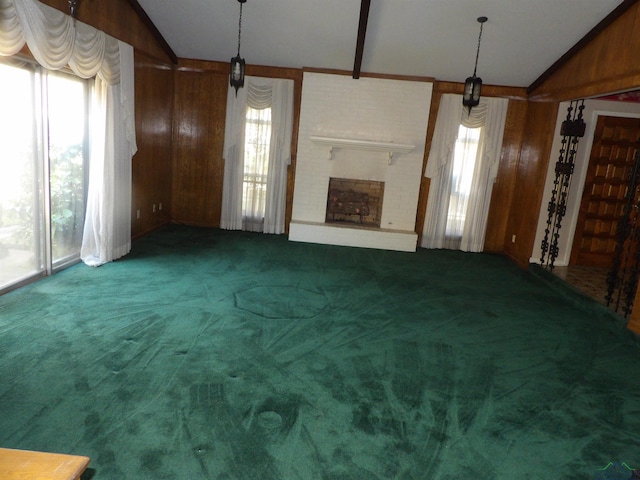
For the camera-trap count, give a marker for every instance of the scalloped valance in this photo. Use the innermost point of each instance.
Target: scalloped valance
(57, 40)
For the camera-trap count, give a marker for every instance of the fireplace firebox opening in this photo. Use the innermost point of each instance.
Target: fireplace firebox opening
(357, 202)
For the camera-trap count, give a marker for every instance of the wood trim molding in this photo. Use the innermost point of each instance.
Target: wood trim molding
(608, 20)
(154, 30)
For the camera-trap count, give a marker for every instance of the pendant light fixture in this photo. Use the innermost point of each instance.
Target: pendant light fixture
(73, 8)
(473, 84)
(236, 76)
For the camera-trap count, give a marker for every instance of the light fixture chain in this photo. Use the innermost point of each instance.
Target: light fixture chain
(239, 28)
(475, 68)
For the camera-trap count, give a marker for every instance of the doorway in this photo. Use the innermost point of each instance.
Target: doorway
(615, 142)
(43, 170)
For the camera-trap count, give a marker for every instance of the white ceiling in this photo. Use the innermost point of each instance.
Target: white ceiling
(433, 38)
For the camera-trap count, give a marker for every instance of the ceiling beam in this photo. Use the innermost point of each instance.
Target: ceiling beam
(362, 32)
(154, 30)
(608, 20)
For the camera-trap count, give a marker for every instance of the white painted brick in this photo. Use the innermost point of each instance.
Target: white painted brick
(366, 109)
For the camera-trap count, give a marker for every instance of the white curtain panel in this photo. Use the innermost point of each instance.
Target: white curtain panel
(439, 169)
(258, 93)
(107, 226)
(57, 40)
(279, 155)
(233, 154)
(491, 116)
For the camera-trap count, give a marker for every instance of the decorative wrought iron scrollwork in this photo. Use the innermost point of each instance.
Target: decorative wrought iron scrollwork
(572, 129)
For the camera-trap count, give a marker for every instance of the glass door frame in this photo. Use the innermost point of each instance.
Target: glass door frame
(43, 263)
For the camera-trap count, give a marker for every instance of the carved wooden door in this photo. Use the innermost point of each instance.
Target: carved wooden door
(603, 199)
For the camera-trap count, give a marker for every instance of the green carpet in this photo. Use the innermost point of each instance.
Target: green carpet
(207, 354)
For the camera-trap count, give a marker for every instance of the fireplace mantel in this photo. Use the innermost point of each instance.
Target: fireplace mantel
(390, 148)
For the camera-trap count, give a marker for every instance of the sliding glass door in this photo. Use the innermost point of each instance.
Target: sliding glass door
(21, 213)
(67, 133)
(43, 132)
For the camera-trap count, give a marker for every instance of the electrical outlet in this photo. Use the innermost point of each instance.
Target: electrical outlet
(154, 208)
(513, 238)
(138, 214)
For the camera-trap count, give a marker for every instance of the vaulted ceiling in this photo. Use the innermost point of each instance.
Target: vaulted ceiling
(432, 38)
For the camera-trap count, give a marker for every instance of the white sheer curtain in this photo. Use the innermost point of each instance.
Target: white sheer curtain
(490, 117)
(57, 40)
(107, 226)
(468, 143)
(258, 93)
(256, 168)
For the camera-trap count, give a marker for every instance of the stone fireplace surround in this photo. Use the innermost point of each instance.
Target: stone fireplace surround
(366, 129)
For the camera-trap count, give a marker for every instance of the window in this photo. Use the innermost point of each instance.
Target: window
(257, 154)
(463, 166)
(67, 134)
(464, 160)
(256, 167)
(43, 132)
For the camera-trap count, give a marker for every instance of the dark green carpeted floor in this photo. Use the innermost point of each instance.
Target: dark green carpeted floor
(207, 354)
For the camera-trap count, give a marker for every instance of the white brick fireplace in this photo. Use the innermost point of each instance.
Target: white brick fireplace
(365, 129)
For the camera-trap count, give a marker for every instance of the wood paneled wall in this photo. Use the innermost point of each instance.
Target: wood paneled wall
(609, 63)
(151, 166)
(498, 236)
(199, 120)
(606, 64)
(529, 180)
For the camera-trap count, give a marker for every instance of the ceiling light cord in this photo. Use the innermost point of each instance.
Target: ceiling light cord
(240, 29)
(475, 68)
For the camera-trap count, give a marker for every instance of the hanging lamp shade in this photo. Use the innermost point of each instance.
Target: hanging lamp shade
(236, 74)
(473, 84)
(237, 65)
(73, 8)
(472, 90)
